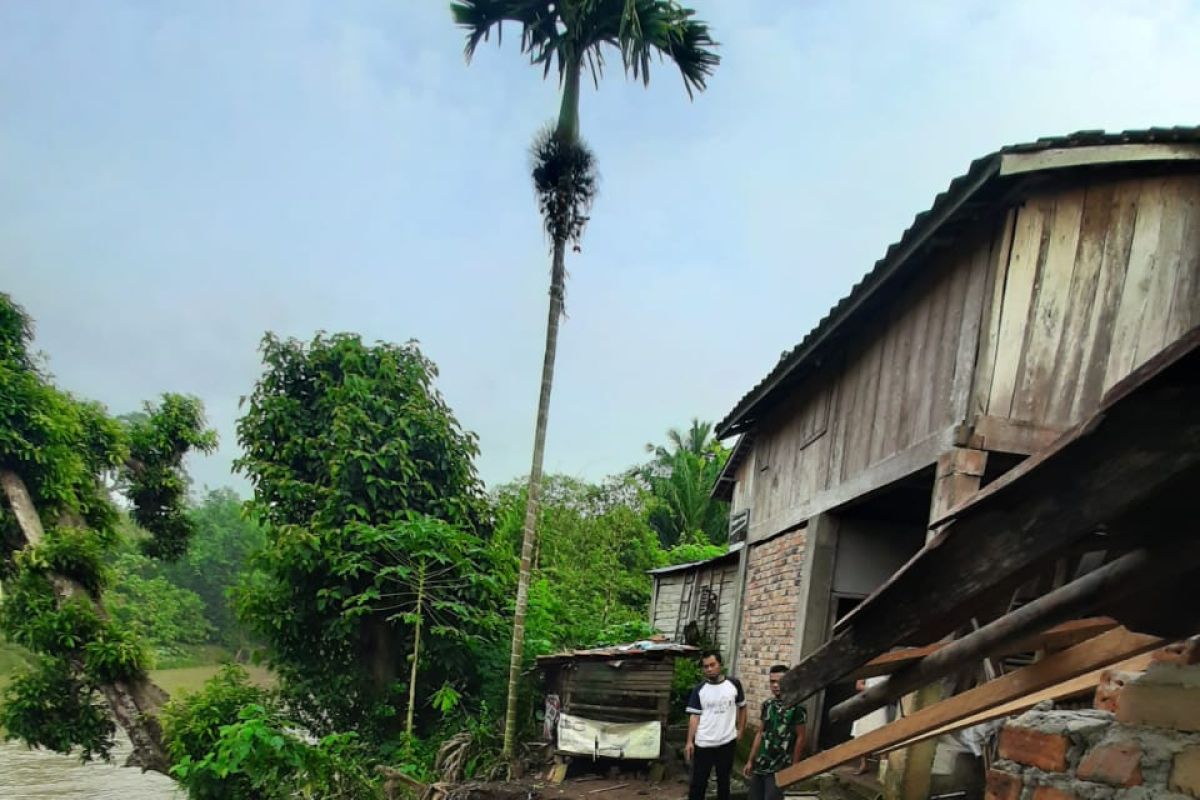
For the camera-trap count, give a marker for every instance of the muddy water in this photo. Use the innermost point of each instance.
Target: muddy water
(27, 774)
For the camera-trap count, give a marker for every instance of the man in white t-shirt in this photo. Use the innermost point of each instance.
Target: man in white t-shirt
(716, 718)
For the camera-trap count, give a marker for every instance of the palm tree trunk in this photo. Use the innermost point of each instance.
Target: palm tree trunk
(568, 127)
(412, 675)
(557, 289)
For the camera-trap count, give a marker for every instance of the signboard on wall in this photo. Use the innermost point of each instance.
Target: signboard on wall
(589, 737)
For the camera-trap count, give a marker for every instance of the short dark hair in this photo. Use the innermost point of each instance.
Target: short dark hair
(778, 668)
(714, 654)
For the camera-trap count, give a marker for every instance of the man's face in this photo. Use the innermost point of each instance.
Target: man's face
(711, 667)
(775, 678)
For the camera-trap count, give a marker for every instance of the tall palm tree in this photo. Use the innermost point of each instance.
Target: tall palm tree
(571, 36)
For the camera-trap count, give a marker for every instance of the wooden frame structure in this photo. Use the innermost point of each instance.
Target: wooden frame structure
(1129, 472)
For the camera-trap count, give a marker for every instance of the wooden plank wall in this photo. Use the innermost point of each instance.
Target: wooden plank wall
(666, 605)
(893, 386)
(1101, 277)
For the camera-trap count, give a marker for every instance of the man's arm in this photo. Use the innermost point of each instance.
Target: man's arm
(748, 769)
(798, 750)
(741, 720)
(693, 723)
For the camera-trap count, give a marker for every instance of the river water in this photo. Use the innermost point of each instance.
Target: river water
(27, 774)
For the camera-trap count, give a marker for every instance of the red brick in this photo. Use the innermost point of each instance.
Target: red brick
(1117, 764)
(1108, 693)
(1185, 772)
(1002, 786)
(1046, 751)
(1051, 793)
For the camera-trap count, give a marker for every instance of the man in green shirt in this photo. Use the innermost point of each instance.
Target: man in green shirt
(778, 743)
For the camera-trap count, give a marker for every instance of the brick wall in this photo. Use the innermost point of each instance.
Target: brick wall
(769, 613)
(1148, 748)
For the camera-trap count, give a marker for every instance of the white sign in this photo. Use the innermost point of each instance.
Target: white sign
(589, 737)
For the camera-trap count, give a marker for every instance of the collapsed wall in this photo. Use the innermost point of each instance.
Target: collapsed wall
(1142, 743)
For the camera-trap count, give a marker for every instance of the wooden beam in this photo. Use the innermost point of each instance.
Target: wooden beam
(1063, 157)
(1137, 572)
(1145, 438)
(1108, 648)
(1060, 691)
(911, 460)
(1003, 435)
(1056, 638)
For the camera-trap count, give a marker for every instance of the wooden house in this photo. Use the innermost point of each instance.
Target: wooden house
(1036, 282)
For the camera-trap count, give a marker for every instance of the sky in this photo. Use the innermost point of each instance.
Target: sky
(176, 179)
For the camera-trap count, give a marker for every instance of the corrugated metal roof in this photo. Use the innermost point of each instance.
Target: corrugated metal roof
(958, 202)
(650, 648)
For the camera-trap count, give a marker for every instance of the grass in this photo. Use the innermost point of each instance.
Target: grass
(13, 659)
(189, 679)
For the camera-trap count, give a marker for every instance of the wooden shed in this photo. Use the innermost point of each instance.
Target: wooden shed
(611, 702)
(697, 602)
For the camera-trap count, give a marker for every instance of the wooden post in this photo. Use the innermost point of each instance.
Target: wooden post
(813, 612)
(909, 772)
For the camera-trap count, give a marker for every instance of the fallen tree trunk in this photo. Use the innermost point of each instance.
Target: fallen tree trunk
(133, 703)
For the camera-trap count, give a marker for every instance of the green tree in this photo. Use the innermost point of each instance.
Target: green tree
(681, 479)
(168, 617)
(352, 454)
(571, 36)
(58, 457)
(217, 559)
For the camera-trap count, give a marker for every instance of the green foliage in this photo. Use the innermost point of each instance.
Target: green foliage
(593, 552)
(217, 559)
(559, 34)
(230, 741)
(168, 617)
(360, 472)
(691, 552)
(74, 553)
(48, 706)
(67, 452)
(681, 479)
(687, 674)
(159, 438)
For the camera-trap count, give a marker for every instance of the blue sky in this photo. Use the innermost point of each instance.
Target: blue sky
(178, 178)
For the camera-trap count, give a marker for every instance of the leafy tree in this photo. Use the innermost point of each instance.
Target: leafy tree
(572, 35)
(166, 616)
(58, 457)
(218, 557)
(681, 479)
(353, 455)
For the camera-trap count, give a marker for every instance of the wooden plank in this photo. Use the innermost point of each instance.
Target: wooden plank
(911, 460)
(1060, 691)
(1065, 635)
(1063, 157)
(1133, 307)
(1096, 343)
(1003, 435)
(884, 413)
(1109, 648)
(933, 365)
(858, 446)
(1145, 437)
(1068, 360)
(1014, 316)
(1185, 302)
(913, 379)
(836, 433)
(1050, 308)
(966, 337)
(989, 335)
(1168, 258)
